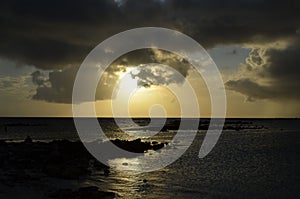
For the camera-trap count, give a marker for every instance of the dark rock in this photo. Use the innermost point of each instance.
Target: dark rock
(137, 146)
(28, 140)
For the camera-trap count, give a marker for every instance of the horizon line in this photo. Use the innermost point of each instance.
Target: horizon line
(140, 117)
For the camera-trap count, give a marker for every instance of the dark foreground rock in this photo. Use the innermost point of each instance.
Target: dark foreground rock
(60, 159)
(29, 163)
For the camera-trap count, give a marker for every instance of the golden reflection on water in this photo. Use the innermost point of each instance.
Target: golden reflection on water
(126, 164)
(127, 183)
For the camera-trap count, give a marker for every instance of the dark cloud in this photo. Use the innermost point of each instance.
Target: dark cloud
(58, 87)
(57, 34)
(151, 74)
(274, 74)
(38, 78)
(154, 74)
(251, 89)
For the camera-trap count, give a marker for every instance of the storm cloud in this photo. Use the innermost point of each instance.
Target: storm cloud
(271, 73)
(57, 35)
(58, 86)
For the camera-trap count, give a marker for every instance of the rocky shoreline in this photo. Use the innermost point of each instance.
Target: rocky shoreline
(24, 163)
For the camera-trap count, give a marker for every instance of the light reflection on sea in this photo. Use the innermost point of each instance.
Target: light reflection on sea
(247, 163)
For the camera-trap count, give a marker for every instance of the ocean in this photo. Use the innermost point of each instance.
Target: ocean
(254, 158)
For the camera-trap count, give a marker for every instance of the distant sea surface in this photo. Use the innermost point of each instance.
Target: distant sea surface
(254, 158)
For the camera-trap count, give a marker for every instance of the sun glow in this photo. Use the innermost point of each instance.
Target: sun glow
(139, 100)
(130, 98)
(127, 83)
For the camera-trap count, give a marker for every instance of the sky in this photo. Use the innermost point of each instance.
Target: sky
(254, 43)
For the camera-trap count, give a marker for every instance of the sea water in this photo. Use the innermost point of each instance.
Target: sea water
(258, 161)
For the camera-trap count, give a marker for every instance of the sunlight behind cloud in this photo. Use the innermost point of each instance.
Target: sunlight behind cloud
(141, 99)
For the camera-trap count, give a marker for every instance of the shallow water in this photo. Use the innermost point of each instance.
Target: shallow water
(242, 165)
(249, 163)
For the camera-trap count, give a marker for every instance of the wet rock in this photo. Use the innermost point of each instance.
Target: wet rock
(137, 146)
